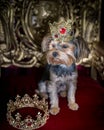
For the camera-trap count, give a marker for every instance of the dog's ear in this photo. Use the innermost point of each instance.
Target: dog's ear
(82, 50)
(72, 47)
(45, 42)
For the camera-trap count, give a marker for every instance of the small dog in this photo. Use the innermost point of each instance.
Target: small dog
(62, 51)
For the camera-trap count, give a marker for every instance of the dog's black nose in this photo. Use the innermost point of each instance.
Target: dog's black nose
(55, 54)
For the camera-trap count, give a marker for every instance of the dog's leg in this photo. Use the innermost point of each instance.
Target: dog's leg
(71, 95)
(42, 90)
(54, 102)
(63, 90)
(63, 94)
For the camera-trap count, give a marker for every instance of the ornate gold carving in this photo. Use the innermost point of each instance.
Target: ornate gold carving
(98, 59)
(23, 24)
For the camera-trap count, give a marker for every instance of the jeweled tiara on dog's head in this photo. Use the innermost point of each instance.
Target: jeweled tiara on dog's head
(62, 31)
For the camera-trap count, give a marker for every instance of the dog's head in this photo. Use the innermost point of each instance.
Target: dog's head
(61, 47)
(58, 53)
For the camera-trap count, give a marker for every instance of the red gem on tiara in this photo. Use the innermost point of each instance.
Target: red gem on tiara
(56, 36)
(63, 30)
(18, 126)
(29, 124)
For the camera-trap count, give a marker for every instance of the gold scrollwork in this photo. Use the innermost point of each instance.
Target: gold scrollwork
(23, 24)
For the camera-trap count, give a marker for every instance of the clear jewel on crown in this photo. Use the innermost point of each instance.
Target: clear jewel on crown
(28, 123)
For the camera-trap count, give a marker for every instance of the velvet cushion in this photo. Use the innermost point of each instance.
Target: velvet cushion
(89, 96)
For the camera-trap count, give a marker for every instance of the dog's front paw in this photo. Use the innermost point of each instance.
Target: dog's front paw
(73, 106)
(44, 95)
(54, 110)
(63, 94)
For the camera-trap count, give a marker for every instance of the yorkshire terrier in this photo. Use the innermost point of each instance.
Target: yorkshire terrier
(62, 50)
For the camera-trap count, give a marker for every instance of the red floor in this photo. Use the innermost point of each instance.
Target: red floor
(90, 97)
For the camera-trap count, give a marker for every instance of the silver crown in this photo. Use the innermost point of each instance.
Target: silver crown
(28, 123)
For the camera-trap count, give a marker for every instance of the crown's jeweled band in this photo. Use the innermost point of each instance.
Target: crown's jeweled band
(28, 123)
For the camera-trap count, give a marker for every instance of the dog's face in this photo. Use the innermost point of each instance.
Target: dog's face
(58, 53)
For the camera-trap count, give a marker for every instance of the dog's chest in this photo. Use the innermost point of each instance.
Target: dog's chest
(62, 73)
(63, 70)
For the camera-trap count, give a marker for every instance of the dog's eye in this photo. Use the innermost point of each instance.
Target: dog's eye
(64, 46)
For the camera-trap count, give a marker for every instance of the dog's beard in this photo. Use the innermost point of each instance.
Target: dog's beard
(62, 58)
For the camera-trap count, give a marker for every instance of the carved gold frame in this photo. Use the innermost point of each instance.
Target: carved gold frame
(23, 24)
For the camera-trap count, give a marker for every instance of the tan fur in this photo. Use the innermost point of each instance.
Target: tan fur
(65, 57)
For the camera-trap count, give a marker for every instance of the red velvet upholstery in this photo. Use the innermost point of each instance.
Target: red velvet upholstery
(89, 96)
